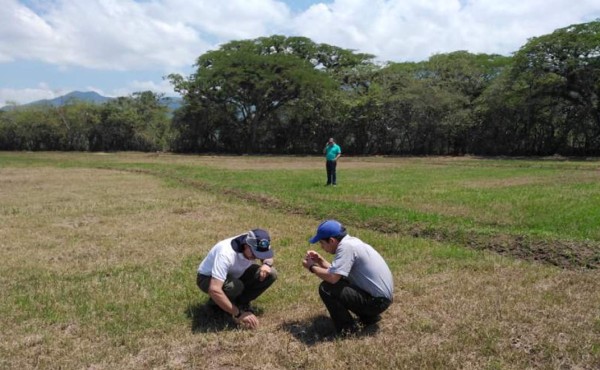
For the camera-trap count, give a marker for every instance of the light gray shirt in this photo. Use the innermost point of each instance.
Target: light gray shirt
(363, 266)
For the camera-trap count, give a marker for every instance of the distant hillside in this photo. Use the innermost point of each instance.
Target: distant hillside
(172, 103)
(86, 96)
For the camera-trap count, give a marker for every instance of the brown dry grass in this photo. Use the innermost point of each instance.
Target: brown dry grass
(267, 162)
(474, 311)
(243, 162)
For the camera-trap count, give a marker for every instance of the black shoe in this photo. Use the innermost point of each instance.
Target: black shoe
(245, 307)
(212, 306)
(348, 331)
(370, 320)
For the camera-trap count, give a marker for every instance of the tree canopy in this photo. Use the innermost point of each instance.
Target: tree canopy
(247, 82)
(287, 95)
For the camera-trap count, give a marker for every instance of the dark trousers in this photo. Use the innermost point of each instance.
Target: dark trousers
(330, 166)
(342, 298)
(243, 290)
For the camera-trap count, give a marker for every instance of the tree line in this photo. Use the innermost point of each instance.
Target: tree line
(138, 122)
(287, 95)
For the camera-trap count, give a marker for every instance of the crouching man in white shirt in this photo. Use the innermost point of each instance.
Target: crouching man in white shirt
(232, 278)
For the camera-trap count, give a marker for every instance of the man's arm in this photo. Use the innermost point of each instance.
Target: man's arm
(324, 274)
(215, 290)
(265, 268)
(317, 268)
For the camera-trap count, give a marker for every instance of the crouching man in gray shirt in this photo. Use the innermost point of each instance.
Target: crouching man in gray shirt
(358, 280)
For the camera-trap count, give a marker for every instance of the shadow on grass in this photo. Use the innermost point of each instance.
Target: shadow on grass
(320, 329)
(206, 318)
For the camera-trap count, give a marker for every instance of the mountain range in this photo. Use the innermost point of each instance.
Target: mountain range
(92, 97)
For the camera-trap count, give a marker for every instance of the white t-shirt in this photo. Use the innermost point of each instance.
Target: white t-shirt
(363, 266)
(223, 260)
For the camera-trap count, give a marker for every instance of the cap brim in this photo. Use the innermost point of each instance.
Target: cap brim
(263, 255)
(314, 239)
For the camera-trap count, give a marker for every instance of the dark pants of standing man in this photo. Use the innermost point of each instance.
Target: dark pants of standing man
(244, 290)
(342, 298)
(331, 165)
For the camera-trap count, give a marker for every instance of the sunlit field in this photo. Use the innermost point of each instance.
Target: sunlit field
(495, 261)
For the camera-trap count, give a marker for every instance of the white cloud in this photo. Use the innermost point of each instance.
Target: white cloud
(168, 35)
(414, 30)
(20, 30)
(24, 96)
(118, 35)
(163, 87)
(103, 34)
(125, 34)
(226, 20)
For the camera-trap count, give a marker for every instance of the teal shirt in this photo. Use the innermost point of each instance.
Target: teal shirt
(332, 151)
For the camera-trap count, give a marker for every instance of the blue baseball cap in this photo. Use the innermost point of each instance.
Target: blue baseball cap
(328, 229)
(259, 241)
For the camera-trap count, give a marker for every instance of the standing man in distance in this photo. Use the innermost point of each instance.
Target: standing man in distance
(332, 152)
(231, 278)
(358, 280)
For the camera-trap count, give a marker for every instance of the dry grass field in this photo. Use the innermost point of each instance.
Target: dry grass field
(97, 268)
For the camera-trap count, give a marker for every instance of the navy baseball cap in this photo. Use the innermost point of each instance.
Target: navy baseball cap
(259, 241)
(328, 229)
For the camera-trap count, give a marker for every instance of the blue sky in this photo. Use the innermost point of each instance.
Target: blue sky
(116, 47)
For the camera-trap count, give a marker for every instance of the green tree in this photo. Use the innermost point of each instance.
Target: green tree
(250, 82)
(76, 119)
(154, 129)
(136, 122)
(551, 93)
(33, 128)
(9, 138)
(460, 78)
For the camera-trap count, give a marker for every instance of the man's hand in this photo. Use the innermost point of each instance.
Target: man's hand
(315, 257)
(307, 263)
(263, 272)
(248, 320)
